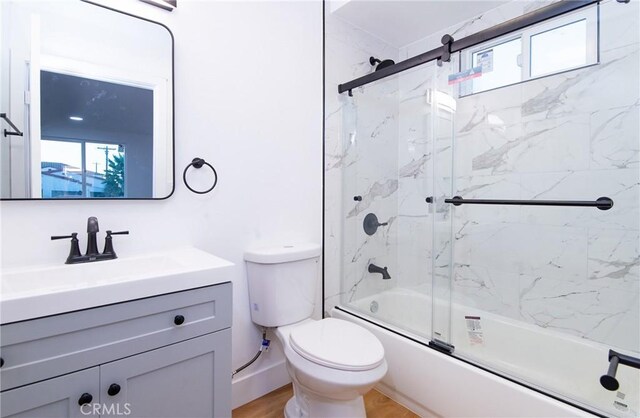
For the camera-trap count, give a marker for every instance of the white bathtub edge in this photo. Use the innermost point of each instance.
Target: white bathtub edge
(435, 384)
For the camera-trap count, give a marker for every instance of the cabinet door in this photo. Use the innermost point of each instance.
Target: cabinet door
(187, 379)
(58, 397)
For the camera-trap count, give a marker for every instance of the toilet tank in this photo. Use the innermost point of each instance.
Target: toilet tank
(282, 283)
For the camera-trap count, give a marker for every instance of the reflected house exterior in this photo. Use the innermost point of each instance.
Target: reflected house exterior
(63, 180)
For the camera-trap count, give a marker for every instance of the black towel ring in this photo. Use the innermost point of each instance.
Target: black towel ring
(198, 163)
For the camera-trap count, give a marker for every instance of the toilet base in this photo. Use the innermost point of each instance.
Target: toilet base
(315, 407)
(291, 409)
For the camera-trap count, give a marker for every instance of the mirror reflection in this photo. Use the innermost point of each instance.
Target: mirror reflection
(91, 89)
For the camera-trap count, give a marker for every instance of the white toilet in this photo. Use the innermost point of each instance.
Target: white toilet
(332, 362)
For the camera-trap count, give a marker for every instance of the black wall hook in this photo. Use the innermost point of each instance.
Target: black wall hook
(16, 131)
(199, 163)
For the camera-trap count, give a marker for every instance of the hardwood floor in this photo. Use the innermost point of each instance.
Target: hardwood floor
(272, 404)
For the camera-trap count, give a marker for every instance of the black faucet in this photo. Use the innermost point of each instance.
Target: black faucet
(383, 270)
(92, 232)
(92, 254)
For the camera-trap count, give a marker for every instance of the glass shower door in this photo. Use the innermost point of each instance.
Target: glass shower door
(369, 189)
(443, 115)
(387, 140)
(542, 293)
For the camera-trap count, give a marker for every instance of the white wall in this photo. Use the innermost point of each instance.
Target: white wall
(4, 102)
(248, 80)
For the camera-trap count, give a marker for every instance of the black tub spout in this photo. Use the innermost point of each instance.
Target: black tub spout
(382, 270)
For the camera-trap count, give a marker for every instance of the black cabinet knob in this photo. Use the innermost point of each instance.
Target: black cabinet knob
(85, 398)
(114, 389)
(178, 320)
(1, 362)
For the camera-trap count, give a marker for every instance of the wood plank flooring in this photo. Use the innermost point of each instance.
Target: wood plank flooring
(272, 404)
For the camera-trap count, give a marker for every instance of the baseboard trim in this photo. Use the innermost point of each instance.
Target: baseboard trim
(251, 386)
(405, 401)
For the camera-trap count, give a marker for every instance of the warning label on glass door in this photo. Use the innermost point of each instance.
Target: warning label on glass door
(474, 330)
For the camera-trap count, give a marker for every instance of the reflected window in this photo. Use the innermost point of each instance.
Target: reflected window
(76, 168)
(95, 122)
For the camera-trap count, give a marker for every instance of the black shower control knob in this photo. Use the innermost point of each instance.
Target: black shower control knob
(114, 389)
(85, 398)
(178, 320)
(429, 199)
(357, 198)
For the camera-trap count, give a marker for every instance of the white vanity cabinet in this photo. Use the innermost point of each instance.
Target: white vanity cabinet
(162, 356)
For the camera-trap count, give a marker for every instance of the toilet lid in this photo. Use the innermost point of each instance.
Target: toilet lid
(337, 344)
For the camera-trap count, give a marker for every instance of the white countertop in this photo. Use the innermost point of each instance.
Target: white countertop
(27, 293)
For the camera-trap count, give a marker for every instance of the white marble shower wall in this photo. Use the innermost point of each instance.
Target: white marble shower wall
(571, 136)
(373, 177)
(415, 171)
(360, 160)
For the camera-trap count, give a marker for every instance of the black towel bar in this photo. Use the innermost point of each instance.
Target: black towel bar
(602, 203)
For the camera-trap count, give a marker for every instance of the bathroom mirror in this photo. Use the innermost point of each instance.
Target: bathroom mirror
(90, 90)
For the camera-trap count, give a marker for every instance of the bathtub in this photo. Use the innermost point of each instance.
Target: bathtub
(435, 384)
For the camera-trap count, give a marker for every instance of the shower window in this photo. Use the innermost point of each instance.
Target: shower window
(565, 43)
(501, 65)
(559, 49)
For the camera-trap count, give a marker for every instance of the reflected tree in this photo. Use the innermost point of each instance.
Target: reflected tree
(114, 177)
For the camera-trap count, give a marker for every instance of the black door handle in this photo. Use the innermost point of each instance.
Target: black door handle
(114, 389)
(178, 320)
(85, 398)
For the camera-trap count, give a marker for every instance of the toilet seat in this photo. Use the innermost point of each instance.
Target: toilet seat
(337, 344)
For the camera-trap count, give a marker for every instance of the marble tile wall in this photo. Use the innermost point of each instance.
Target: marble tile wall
(360, 160)
(415, 170)
(570, 136)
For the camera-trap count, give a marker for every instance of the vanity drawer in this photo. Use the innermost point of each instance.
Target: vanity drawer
(47, 347)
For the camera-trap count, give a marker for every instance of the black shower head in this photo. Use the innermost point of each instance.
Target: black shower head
(381, 64)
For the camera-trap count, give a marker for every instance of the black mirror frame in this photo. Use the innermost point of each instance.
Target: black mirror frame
(173, 127)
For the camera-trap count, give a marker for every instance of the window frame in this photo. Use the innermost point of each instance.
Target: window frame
(590, 14)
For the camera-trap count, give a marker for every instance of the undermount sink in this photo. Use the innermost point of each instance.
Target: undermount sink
(28, 293)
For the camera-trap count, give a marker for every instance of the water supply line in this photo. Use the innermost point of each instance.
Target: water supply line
(264, 346)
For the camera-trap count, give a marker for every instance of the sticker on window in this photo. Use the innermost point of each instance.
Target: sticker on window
(485, 60)
(465, 75)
